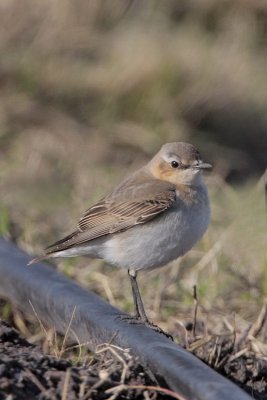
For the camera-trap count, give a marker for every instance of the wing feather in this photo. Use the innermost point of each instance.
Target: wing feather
(123, 209)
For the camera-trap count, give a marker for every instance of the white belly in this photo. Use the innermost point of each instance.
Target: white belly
(167, 237)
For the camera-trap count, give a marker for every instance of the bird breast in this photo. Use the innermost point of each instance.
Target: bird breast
(163, 239)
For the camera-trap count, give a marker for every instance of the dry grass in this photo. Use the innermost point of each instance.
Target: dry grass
(88, 94)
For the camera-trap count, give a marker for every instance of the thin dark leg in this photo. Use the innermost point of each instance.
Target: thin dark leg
(140, 315)
(139, 307)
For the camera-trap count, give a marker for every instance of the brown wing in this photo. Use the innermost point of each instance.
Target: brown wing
(126, 207)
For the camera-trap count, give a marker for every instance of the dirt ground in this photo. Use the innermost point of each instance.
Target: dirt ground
(27, 373)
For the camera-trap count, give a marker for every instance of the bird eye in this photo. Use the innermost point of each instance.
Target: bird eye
(174, 164)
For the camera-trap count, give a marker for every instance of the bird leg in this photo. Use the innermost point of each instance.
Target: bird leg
(139, 307)
(140, 316)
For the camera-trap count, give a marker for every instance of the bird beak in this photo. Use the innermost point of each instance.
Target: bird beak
(203, 165)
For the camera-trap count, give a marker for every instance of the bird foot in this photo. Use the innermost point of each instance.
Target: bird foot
(138, 320)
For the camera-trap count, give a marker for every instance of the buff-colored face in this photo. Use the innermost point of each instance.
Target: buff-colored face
(178, 163)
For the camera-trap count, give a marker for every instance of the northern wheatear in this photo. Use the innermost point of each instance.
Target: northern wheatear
(154, 216)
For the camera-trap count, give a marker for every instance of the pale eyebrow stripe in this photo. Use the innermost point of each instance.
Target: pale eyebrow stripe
(171, 156)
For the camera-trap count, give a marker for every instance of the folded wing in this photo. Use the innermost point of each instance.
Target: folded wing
(124, 208)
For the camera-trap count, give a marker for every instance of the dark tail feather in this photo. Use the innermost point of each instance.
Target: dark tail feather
(61, 241)
(55, 247)
(37, 259)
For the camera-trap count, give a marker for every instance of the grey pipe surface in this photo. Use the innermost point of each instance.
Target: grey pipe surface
(57, 300)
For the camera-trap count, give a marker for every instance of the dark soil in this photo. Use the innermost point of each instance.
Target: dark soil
(243, 367)
(240, 356)
(26, 373)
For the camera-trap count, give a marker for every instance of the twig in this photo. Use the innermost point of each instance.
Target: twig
(108, 346)
(199, 343)
(79, 346)
(82, 389)
(21, 324)
(195, 310)
(168, 392)
(95, 386)
(66, 334)
(55, 344)
(49, 341)
(114, 350)
(254, 329)
(260, 321)
(38, 319)
(184, 340)
(213, 353)
(35, 380)
(218, 355)
(66, 385)
(238, 354)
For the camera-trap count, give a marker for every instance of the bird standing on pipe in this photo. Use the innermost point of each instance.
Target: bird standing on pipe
(152, 217)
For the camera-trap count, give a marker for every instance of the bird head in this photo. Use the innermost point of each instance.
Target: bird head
(179, 163)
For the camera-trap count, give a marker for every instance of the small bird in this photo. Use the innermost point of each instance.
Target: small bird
(152, 217)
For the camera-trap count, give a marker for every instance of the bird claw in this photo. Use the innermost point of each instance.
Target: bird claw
(137, 320)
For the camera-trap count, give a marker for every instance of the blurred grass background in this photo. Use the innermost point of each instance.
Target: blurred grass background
(91, 89)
